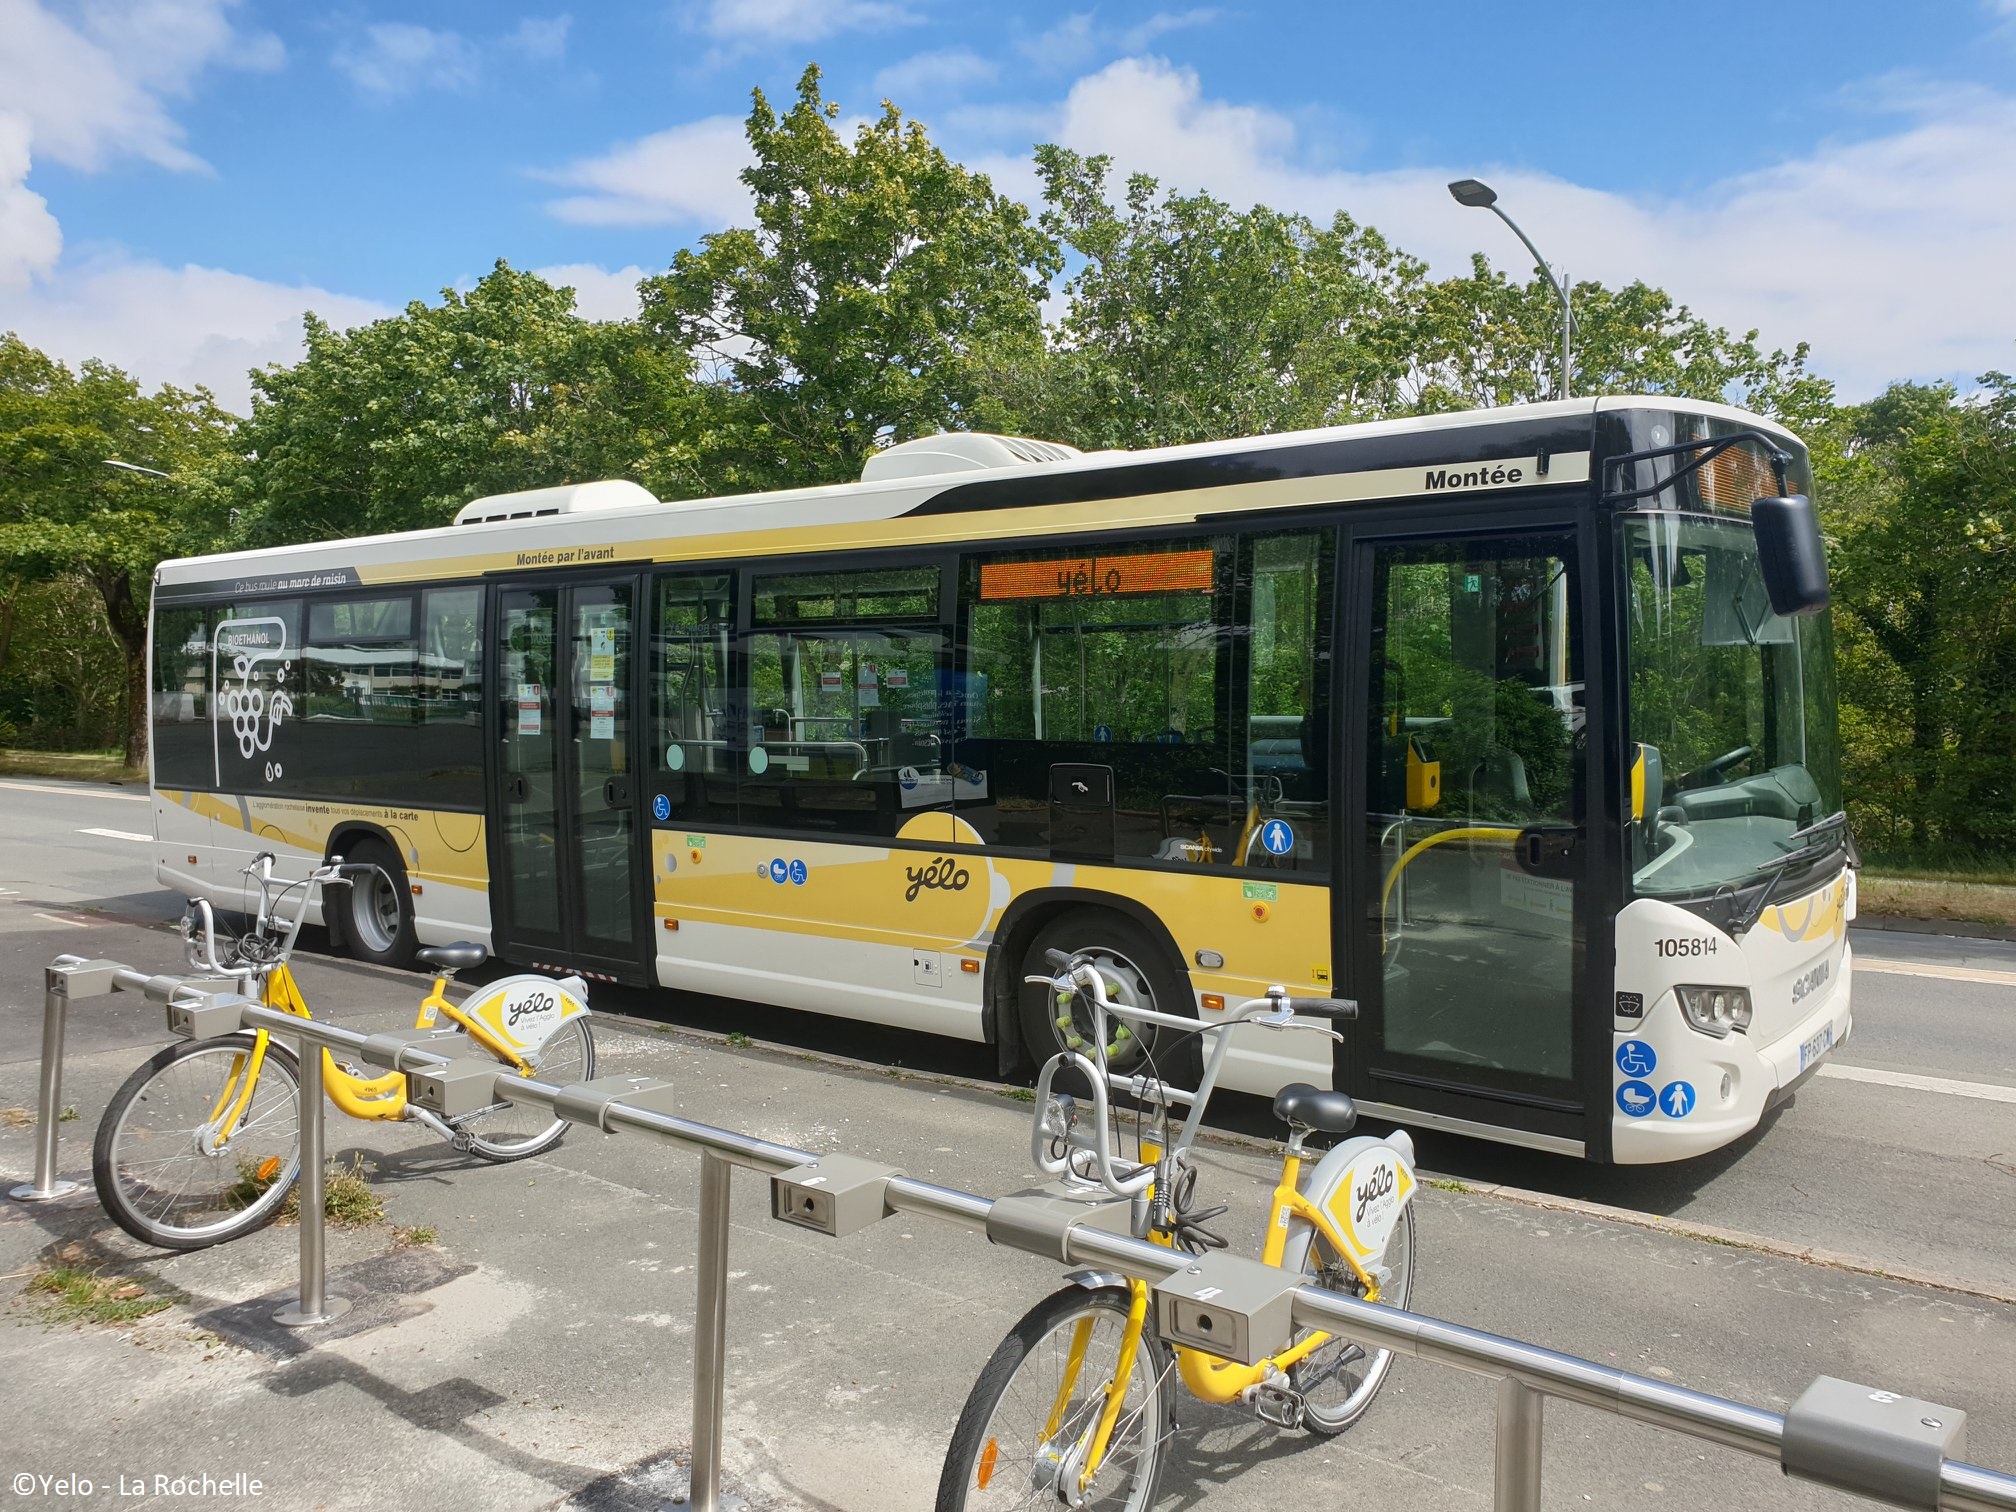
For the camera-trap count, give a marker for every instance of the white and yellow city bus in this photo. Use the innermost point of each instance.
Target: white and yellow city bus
(1517, 726)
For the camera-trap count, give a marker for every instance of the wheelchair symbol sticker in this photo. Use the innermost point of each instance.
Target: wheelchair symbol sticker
(661, 807)
(798, 873)
(1278, 836)
(1635, 1058)
(1676, 1099)
(1636, 1099)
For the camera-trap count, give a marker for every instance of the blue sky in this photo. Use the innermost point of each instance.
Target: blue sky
(180, 178)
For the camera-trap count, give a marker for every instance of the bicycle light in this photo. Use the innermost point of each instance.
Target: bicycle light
(1716, 1010)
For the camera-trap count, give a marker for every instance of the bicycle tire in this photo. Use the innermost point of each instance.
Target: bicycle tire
(1023, 1380)
(248, 1181)
(517, 1132)
(1319, 1415)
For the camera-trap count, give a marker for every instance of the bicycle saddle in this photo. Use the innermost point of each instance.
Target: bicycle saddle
(1299, 1103)
(457, 957)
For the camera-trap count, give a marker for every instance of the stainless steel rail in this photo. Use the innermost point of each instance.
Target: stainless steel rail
(1528, 1373)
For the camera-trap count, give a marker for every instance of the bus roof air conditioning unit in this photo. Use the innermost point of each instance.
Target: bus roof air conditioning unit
(960, 451)
(571, 498)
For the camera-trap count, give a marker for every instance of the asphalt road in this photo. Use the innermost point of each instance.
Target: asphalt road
(1902, 1155)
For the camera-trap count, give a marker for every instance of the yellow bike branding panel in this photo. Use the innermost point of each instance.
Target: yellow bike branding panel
(1367, 1200)
(524, 1011)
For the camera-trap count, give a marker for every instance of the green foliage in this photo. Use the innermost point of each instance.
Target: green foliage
(397, 424)
(851, 314)
(61, 675)
(1188, 320)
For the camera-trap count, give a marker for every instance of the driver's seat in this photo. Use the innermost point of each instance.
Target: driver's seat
(1302, 1106)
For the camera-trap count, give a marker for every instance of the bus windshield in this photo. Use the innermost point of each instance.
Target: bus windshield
(1732, 710)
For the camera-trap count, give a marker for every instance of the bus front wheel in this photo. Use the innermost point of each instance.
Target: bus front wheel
(1136, 972)
(378, 917)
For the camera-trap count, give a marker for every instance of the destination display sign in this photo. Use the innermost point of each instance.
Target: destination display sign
(1090, 576)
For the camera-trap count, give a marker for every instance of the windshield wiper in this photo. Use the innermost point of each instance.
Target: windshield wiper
(1820, 827)
(1748, 907)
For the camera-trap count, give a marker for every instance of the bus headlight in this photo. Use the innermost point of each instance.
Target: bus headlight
(1716, 1010)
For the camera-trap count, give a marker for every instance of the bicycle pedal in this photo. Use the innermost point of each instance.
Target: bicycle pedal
(1273, 1404)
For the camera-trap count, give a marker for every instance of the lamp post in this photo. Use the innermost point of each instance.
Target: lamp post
(1481, 196)
(154, 472)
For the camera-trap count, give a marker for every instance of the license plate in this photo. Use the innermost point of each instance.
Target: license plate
(1815, 1047)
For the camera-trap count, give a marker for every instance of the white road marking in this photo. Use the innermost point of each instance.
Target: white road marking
(80, 791)
(1987, 1091)
(72, 923)
(1949, 973)
(119, 835)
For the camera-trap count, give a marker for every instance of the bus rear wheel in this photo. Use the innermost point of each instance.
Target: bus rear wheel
(378, 915)
(1137, 974)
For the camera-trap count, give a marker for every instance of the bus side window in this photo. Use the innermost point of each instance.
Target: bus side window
(181, 699)
(695, 750)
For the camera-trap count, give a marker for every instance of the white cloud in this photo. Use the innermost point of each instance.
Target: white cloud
(929, 73)
(746, 24)
(30, 239)
(598, 293)
(542, 39)
(395, 58)
(1079, 38)
(92, 91)
(189, 325)
(1890, 254)
(685, 174)
(1163, 22)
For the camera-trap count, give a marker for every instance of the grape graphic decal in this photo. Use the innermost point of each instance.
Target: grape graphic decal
(255, 711)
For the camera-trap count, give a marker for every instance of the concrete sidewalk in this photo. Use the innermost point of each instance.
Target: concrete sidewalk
(540, 1353)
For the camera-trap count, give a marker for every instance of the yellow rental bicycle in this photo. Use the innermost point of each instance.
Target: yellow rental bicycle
(202, 1143)
(1076, 1406)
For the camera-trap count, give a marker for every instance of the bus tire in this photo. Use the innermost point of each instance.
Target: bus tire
(378, 912)
(1128, 954)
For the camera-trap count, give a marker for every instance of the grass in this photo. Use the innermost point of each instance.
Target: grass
(1933, 897)
(27, 1118)
(71, 1294)
(1016, 1094)
(737, 1040)
(415, 1237)
(76, 766)
(1448, 1184)
(347, 1199)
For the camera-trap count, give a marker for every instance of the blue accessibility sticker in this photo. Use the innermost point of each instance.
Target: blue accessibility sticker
(1676, 1099)
(661, 806)
(1278, 836)
(1636, 1058)
(779, 872)
(798, 873)
(1636, 1099)
(1102, 732)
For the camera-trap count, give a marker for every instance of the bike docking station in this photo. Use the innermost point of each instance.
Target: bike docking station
(1877, 1445)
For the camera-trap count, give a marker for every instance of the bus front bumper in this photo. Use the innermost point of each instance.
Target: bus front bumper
(1756, 1077)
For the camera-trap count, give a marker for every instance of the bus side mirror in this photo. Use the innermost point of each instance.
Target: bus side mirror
(1790, 554)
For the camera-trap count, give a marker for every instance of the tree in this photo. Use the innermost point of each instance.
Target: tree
(850, 314)
(63, 511)
(397, 424)
(1191, 321)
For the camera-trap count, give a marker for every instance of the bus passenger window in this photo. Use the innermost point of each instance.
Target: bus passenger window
(695, 755)
(1108, 657)
(181, 707)
(844, 730)
(1285, 587)
(450, 687)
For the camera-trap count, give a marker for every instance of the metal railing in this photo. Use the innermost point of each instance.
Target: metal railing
(1527, 1373)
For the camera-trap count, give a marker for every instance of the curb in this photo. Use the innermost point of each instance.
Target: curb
(1708, 1233)
(1965, 929)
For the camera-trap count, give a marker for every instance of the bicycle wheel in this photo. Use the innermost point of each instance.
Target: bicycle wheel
(1027, 1426)
(163, 1173)
(1338, 1382)
(512, 1131)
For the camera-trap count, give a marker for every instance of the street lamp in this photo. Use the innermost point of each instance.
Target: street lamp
(136, 467)
(1481, 196)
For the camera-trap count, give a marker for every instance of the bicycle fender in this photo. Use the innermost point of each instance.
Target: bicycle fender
(524, 1011)
(1362, 1186)
(1096, 1280)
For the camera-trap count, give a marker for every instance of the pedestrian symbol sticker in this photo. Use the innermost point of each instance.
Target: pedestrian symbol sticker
(1635, 1058)
(1636, 1099)
(779, 872)
(798, 873)
(1278, 836)
(1102, 733)
(661, 806)
(1676, 1099)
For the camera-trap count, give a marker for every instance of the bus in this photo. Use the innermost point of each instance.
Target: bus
(1517, 726)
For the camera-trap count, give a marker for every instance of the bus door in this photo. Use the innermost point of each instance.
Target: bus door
(569, 850)
(1461, 924)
